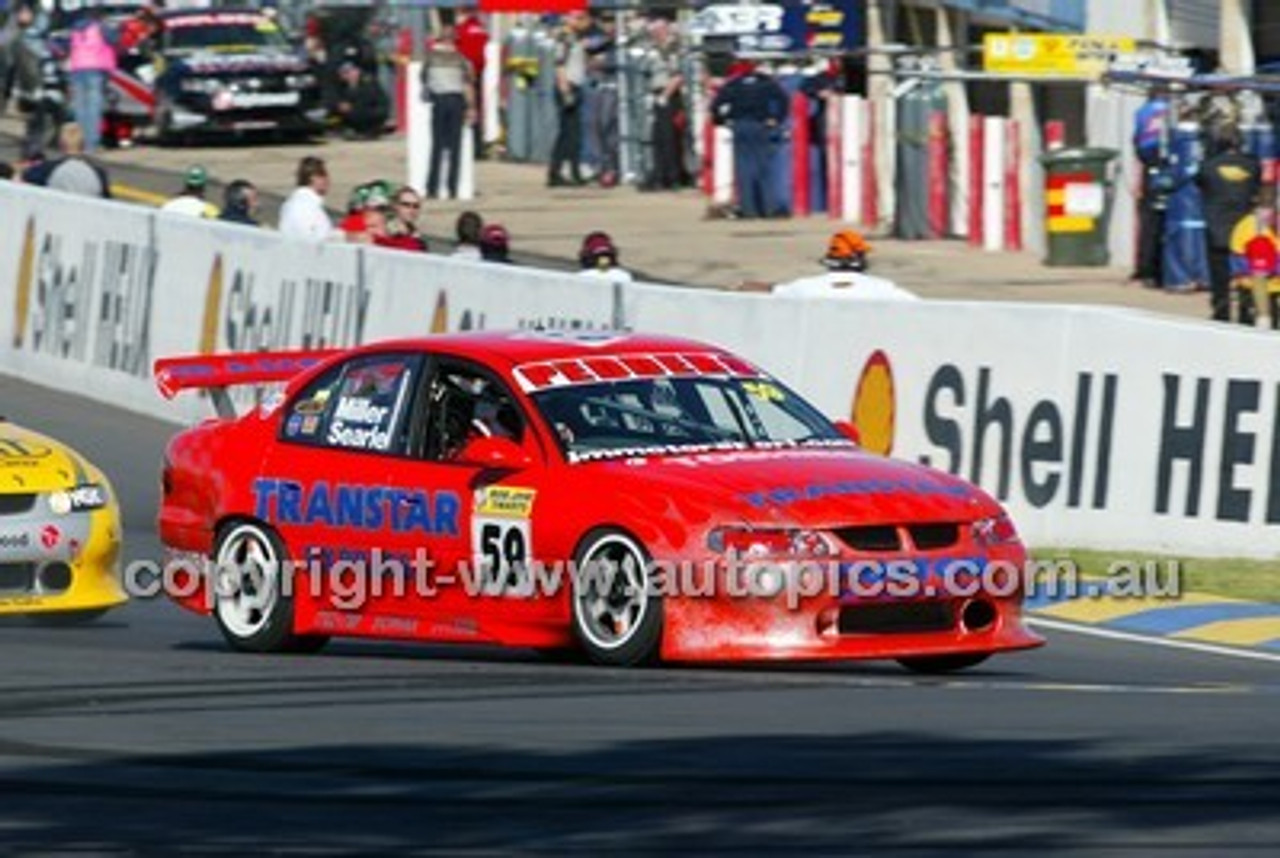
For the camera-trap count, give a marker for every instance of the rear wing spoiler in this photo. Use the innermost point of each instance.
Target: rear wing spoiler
(218, 373)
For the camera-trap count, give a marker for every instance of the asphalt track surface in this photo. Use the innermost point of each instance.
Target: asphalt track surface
(142, 734)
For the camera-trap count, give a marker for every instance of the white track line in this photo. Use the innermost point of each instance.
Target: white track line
(1172, 643)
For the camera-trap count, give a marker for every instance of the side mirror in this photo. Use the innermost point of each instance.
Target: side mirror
(849, 431)
(496, 453)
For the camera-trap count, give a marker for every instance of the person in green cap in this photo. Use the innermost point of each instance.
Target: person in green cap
(191, 201)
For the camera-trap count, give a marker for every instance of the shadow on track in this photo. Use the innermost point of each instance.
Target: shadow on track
(895, 789)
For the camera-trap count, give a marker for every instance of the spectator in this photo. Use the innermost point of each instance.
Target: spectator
(472, 38)
(139, 32)
(598, 257)
(495, 244)
(73, 172)
(846, 261)
(666, 86)
(35, 81)
(448, 83)
(1151, 144)
(303, 214)
(362, 107)
(571, 74)
(191, 201)
(756, 107)
(403, 224)
(240, 203)
(10, 35)
(1229, 182)
(1255, 260)
(602, 73)
(91, 57)
(352, 224)
(468, 229)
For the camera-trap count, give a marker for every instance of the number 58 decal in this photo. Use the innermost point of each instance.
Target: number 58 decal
(501, 541)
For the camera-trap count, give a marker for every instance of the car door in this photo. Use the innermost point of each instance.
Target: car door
(324, 484)
(477, 528)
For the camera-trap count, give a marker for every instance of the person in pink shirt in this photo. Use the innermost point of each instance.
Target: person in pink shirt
(92, 57)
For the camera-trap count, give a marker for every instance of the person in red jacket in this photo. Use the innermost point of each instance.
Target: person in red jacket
(472, 38)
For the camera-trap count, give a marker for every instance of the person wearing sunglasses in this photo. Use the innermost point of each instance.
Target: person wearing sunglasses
(402, 226)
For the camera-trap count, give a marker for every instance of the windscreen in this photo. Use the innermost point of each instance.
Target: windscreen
(224, 32)
(635, 415)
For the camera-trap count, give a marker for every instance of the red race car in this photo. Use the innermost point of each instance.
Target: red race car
(636, 497)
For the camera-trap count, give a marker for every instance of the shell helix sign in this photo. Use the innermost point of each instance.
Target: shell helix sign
(1053, 54)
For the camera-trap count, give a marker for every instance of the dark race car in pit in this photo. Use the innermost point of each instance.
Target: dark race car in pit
(231, 71)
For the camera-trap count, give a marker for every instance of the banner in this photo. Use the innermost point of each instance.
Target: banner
(1065, 55)
(1098, 427)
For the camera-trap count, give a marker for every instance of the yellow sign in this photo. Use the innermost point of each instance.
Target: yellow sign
(1052, 53)
(506, 501)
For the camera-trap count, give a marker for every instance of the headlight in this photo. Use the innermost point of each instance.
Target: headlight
(80, 499)
(770, 542)
(997, 530)
(300, 81)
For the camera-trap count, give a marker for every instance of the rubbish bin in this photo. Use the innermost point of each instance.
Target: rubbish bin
(1078, 196)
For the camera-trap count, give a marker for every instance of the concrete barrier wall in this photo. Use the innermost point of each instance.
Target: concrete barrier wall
(1099, 427)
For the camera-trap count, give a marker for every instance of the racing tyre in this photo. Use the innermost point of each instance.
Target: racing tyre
(253, 608)
(936, 664)
(617, 611)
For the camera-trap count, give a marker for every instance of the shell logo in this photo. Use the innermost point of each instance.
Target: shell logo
(873, 404)
(440, 318)
(212, 306)
(26, 274)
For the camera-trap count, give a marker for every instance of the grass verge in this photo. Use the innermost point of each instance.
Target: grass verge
(1256, 580)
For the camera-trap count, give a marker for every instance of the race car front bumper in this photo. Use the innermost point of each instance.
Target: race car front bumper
(936, 618)
(57, 562)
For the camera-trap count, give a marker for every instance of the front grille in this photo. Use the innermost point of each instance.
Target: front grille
(896, 618)
(17, 577)
(17, 503)
(875, 537)
(930, 537)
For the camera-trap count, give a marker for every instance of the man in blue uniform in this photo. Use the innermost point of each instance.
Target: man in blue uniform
(1151, 135)
(755, 106)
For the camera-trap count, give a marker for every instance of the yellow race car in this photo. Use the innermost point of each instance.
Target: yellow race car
(59, 531)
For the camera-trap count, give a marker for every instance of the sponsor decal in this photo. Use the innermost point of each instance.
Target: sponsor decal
(533, 377)
(440, 315)
(226, 100)
(1049, 445)
(26, 274)
(17, 451)
(212, 302)
(86, 300)
(853, 488)
(50, 536)
(1213, 436)
(764, 390)
(502, 540)
(356, 506)
(873, 404)
(15, 540)
(508, 501)
(244, 312)
(78, 499)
